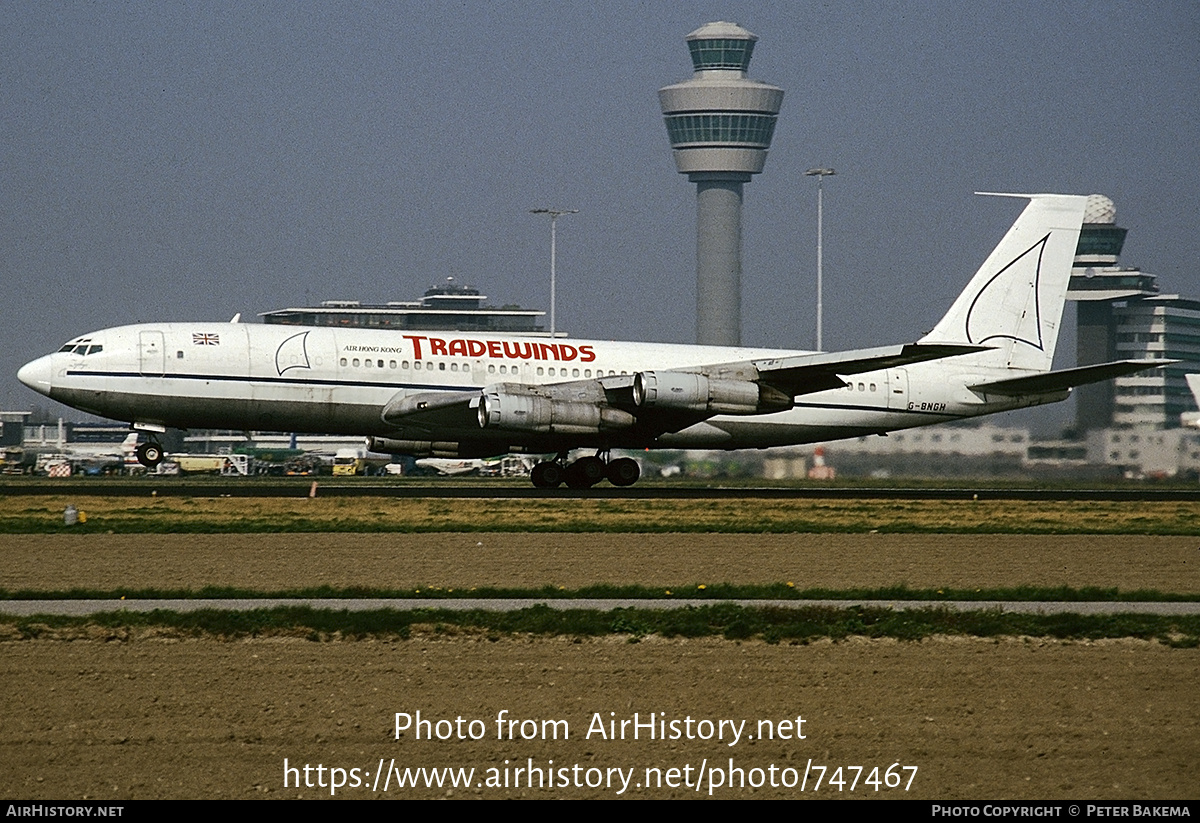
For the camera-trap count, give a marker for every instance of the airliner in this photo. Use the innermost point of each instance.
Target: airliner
(472, 395)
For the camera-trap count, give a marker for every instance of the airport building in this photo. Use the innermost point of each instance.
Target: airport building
(443, 308)
(720, 124)
(1121, 315)
(12, 428)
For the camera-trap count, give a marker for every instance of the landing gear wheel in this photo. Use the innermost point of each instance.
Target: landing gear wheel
(149, 454)
(624, 471)
(585, 472)
(547, 475)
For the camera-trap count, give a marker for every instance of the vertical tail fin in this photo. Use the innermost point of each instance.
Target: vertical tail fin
(1014, 303)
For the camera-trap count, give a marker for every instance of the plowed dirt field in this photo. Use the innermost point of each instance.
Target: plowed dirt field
(113, 715)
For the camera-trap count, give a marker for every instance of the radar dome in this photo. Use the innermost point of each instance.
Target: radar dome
(1099, 209)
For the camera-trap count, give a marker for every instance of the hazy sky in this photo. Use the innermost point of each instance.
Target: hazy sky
(186, 161)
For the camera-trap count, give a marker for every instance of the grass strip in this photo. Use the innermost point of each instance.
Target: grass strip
(719, 620)
(692, 591)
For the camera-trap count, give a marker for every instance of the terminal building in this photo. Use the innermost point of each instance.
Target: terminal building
(443, 308)
(1120, 315)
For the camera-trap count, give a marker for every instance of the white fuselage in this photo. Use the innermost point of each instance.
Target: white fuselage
(337, 381)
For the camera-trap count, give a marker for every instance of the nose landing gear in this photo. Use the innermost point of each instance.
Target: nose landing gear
(585, 472)
(149, 454)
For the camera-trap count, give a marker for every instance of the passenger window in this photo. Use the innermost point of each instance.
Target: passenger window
(356, 362)
(178, 354)
(441, 366)
(417, 365)
(343, 361)
(380, 364)
(574, 372)
(391, 364)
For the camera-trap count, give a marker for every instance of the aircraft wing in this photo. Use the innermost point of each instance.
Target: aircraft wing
(807, 373)
(1052, 381)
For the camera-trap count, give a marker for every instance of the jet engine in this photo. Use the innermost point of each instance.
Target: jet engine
(428, 448)
(529, 412)
(695, 392)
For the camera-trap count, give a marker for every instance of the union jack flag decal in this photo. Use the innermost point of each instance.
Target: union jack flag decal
(203, 339)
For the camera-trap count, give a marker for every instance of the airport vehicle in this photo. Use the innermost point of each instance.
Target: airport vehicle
(227, 465)
(463, 395)
(349, 462)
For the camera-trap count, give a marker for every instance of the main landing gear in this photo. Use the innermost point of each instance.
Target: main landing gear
(149, 454)
(585, 472)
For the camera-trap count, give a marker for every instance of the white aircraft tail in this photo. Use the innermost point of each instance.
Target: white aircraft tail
(1014, 303)
(1193, 381)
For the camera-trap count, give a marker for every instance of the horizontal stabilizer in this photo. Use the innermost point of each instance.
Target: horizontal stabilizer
(1054, 381)
(807, 373)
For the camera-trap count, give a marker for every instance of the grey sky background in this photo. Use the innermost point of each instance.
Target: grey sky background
(186, 161)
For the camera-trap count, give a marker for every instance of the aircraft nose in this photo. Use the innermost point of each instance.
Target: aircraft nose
(36, 375)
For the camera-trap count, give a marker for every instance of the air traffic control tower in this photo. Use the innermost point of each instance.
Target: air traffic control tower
(720, 123)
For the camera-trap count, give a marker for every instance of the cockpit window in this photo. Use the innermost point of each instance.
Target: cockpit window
(84, 346)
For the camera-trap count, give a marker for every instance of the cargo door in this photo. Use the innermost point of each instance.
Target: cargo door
(897, 389)
(152, 361)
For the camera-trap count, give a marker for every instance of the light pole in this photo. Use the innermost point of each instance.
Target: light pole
(554, 215)
(820, 174)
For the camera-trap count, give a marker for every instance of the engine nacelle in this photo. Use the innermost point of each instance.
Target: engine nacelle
(697, 393)
(429, 448)
(528, 412)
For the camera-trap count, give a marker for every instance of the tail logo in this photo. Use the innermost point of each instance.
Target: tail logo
(292, 353)
(1008, 305)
